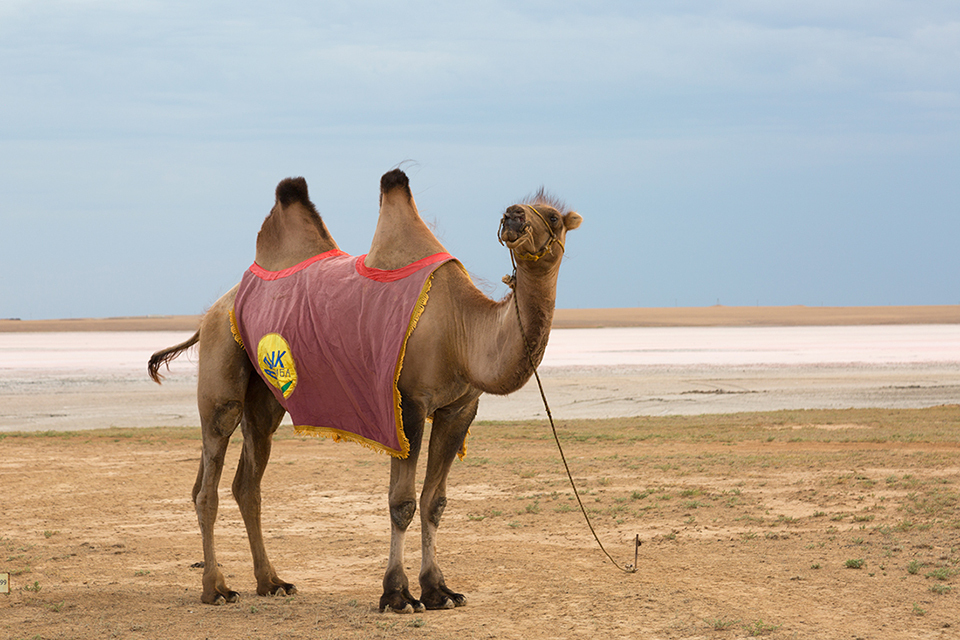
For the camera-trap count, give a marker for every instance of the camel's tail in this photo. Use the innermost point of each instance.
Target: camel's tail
(166, 355)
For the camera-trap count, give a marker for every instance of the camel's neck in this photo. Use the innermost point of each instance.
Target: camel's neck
(503, 357)
(290, 236)
(401, 236)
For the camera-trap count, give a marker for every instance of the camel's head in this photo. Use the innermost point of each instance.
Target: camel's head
(537, 229)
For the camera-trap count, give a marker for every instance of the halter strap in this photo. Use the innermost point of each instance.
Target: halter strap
(554, 238)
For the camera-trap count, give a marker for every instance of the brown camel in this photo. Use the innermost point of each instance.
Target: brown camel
(465, 344)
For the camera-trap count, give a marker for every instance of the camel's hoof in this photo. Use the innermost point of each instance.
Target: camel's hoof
(445, 599)
(223, 598)
(280, 590)
(407, 609)
(445, 603)
(401, 605)
(449, 603)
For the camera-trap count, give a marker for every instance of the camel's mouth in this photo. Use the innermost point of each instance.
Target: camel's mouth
(513, 225)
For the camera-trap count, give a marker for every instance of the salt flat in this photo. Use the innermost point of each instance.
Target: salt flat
(86, 380)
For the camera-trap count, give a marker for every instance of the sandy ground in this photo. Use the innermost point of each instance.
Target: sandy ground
(837, 523)
(825, 525)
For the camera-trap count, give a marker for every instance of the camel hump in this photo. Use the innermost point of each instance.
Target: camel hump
(293, 190)
(395, 179)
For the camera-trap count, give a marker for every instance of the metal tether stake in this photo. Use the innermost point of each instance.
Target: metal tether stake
(511, 281)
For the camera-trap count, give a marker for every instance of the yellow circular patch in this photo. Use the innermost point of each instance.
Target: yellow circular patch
(276, 363)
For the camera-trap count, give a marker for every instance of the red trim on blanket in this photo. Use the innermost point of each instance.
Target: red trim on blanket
(392, 275)
(263, 274)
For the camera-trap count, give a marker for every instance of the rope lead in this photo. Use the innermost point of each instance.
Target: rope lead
(511, 281)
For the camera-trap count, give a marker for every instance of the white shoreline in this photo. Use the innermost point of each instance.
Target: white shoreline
(51, 381)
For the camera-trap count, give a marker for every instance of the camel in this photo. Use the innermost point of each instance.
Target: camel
(464, 345)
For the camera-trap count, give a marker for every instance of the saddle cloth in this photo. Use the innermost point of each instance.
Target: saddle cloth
(328, 337)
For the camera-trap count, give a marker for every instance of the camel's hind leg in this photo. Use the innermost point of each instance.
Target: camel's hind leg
(450, 426)
(261, 417)
(216, 437)
(224, 371)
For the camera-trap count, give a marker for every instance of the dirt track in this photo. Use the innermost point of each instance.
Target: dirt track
(751, 525)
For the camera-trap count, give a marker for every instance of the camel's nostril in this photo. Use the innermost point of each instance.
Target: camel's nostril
(514, 223)
(514, 220)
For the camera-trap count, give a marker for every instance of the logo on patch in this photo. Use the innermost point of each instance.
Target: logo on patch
(276, 363)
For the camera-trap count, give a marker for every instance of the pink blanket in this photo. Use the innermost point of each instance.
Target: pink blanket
(328, 336)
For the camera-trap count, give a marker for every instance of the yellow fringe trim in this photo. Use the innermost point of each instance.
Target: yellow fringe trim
(414, 319)
(345, 436)
(234, 329)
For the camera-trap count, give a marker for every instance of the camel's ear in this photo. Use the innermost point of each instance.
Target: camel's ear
(572, 220)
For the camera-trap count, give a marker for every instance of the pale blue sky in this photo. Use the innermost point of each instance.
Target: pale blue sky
(741, 152)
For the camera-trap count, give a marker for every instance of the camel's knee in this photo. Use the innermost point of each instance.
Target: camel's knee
(401, 514)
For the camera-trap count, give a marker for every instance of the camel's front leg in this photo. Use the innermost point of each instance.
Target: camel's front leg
(450, 427)
(403, 505)
(261, 417)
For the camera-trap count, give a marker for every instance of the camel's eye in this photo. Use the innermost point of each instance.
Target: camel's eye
(554, 219)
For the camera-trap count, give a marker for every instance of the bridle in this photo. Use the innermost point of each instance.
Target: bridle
(531, 257)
